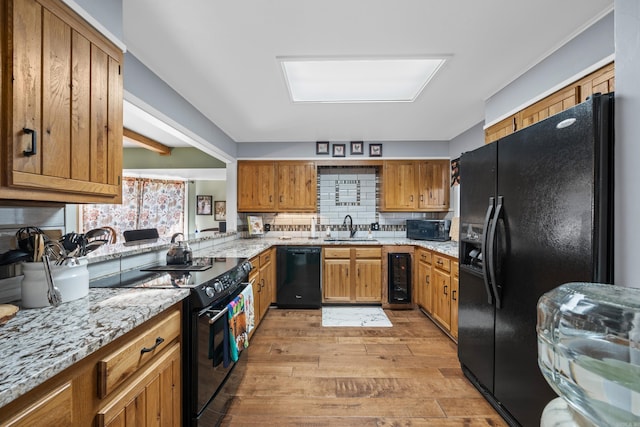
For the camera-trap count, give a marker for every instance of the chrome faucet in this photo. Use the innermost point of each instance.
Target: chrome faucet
(351, 229)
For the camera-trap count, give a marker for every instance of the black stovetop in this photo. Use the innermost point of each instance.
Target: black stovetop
(223, 272)
(169, 279)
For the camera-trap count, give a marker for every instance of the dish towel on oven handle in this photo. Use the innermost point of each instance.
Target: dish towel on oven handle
(238, 336)
(247, 293)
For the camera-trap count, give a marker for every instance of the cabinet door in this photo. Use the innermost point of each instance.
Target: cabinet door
(433, 185)
(152, 400)
(454, 300)
(442, 307)
(254, 278)
(337, 280)
(297, 186)
(550, 105)
(368, 280)
(256, 186)
(502, 128)
(425, 286)
(267, 281)
(66, 104)
(399, 185)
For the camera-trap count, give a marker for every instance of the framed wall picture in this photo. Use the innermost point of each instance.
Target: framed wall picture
(322, 147)
(220, 210)
(357, 147)
(204, 205)
(375, 150)
(338, 150)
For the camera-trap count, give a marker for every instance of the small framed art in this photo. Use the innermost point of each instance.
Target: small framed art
(338, 150)
(322, 147)
(375, 150)
(220, 210)
(357, 147)
(203, 205)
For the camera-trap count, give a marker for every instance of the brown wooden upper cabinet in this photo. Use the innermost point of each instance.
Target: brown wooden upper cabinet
(415, 185)
(277, 186)
(601, 80)
(61, 106)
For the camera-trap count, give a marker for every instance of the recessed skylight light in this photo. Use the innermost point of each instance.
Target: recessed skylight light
(358, 80)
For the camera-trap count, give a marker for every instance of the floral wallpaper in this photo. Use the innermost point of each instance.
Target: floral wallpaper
(146, 203)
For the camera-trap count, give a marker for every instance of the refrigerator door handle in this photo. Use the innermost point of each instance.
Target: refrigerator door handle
(485, 227)
(492, 261)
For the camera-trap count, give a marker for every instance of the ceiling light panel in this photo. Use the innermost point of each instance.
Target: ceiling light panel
(358, 80)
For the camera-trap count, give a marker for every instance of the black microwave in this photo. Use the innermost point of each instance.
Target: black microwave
(427, 229)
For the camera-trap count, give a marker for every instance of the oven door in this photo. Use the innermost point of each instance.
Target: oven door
(212, 326)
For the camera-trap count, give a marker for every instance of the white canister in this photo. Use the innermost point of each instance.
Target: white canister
(72, 282)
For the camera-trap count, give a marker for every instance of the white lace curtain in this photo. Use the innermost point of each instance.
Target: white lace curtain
(146, 203)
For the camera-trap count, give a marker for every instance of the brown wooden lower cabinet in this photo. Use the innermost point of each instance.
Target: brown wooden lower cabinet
(263, 278)
(147, 393)
(436, 288)
(352, 275)
(154, 399)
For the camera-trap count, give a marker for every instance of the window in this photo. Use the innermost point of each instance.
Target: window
(146, 203)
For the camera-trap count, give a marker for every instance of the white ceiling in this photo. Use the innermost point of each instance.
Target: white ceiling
(221, 57)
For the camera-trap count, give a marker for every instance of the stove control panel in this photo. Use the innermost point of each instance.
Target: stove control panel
(217, 290)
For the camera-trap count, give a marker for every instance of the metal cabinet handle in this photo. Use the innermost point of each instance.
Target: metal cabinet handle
(411, 198)
(422, 197)
(280, 199)
(453, 295)
(159, 341)
(445, 289)
(34, 142)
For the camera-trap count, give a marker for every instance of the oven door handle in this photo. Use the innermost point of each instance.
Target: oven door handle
(218, 315)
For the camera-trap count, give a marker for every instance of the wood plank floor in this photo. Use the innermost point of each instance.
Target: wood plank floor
(299, 373)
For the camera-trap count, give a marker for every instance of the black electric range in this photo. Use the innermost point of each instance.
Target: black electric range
(214, 283)
(210, 279)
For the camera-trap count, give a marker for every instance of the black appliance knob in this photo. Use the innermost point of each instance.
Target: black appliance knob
(218, 286)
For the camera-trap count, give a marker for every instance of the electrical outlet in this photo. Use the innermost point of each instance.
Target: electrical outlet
(375, 226)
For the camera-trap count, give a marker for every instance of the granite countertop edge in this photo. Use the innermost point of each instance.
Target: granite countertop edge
(40, 343)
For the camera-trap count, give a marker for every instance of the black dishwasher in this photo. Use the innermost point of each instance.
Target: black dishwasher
(298, 277)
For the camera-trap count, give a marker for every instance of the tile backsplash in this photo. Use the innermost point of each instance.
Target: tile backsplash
(342, 191)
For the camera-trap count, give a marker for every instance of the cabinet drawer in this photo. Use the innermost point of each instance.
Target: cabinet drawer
(152, 399)
(442, 263)
(368, 253)
(54, 409)
(255, 262)
(337, 252)
(424, 256)
(265, 258)
(121, 364)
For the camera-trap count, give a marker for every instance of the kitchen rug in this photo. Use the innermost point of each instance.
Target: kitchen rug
(365, 317)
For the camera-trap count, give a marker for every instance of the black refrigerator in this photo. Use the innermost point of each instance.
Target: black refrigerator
(536, 211)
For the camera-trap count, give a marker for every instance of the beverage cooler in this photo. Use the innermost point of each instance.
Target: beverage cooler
(399, 278)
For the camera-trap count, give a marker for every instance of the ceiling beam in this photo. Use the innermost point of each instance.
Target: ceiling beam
(147, 143)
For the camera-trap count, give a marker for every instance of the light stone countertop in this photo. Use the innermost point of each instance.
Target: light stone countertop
(39, 343)
(248, 248)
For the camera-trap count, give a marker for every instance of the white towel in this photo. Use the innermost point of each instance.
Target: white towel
(247, 294)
